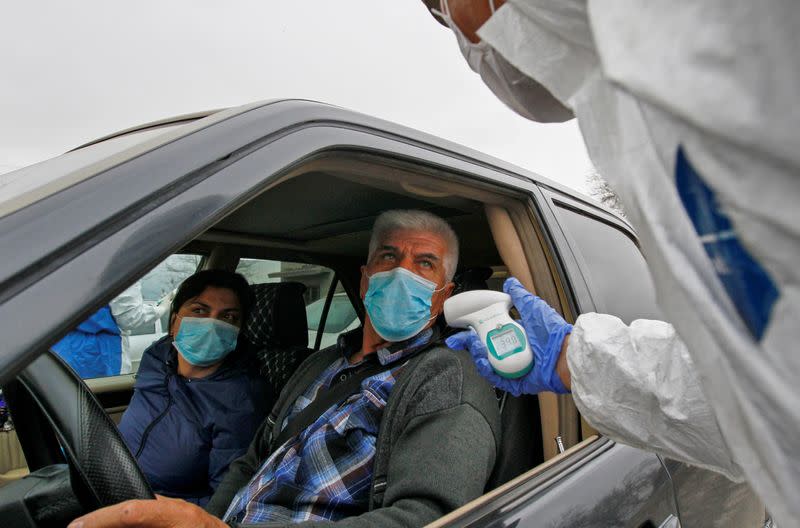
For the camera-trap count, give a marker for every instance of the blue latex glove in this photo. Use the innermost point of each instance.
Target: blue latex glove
(546, 331)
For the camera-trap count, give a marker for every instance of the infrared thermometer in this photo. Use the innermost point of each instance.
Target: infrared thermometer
(486, 311)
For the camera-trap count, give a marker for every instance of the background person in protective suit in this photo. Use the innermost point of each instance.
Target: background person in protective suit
(93, 348)
(689, 111)
(130, 311)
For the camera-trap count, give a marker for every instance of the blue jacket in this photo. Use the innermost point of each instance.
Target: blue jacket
(185, 432)
(94, 348)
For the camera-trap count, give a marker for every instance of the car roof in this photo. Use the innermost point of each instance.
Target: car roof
(160, 123)
(30, 184)
(57, 180)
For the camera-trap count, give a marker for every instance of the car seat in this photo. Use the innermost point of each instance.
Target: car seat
(277, 331)
(521, 429)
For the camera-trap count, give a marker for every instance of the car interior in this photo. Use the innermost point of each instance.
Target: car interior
(314, 222)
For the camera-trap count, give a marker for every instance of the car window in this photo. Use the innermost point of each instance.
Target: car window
(340, 315)
(615, 269)
(318, 281)
(112, 340)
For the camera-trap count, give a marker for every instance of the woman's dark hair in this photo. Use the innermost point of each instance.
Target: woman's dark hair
(197, 283)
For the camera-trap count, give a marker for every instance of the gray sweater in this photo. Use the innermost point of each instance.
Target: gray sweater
(438, 441)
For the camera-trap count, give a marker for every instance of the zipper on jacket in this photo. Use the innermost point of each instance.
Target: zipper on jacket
(157, 419)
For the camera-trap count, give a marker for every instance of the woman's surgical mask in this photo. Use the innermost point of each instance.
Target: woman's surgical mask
(398, 302)
(203, 341)
(516, 90)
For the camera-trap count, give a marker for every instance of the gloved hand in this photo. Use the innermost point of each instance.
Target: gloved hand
(546, 331)
(165, 303)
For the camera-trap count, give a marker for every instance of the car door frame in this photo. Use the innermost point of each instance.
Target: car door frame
(572, 489)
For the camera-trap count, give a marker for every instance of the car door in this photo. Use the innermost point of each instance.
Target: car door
(608, 274)
(595, 483)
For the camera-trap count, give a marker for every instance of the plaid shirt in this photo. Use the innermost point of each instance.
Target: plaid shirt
(325, 472)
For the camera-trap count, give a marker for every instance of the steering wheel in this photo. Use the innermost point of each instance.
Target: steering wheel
(102, 470)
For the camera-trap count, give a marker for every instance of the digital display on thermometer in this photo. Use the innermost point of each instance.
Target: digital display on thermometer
(505, 341)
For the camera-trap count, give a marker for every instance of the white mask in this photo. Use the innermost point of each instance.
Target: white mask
(515, 89)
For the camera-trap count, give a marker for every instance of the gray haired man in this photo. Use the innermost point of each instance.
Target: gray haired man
(438, 420)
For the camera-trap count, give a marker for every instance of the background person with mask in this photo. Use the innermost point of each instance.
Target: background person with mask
(689, 111)
(195, 406)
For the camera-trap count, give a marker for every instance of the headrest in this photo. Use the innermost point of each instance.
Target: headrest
(472, 279)
(278, 316)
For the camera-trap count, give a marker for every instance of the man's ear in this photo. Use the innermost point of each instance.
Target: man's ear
(448, 290)
(438, 305)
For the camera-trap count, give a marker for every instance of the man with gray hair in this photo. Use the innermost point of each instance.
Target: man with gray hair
(319, 456)
(415, 220)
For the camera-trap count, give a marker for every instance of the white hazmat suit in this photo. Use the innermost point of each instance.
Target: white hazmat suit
(129, 311)
(689, 110)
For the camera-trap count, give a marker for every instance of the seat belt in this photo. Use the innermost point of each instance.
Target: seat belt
(327, 398)
(332, 395)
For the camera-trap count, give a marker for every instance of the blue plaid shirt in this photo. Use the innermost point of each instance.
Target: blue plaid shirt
(325, 472)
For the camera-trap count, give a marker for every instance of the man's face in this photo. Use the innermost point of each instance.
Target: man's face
(420, 252)
(469, 15)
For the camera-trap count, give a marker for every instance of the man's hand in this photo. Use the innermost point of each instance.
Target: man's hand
(161, 513)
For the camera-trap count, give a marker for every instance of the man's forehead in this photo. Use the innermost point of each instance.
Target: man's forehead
(414, 239)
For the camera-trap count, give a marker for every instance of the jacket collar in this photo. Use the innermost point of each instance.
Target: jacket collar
(351, 342)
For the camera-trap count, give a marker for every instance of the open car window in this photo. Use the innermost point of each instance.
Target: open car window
(111, 341)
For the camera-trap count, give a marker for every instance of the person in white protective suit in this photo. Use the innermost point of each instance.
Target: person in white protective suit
(689, 110)
(130, 311)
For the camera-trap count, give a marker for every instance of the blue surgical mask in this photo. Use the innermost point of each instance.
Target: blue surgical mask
(399, 303)
(203, 341)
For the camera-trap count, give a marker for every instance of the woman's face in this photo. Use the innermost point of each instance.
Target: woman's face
(219, 303)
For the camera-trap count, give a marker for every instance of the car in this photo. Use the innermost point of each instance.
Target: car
(286, 191)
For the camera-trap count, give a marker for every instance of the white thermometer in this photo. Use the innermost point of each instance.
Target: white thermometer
(486, 311)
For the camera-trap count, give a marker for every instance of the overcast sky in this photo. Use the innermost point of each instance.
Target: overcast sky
(74, 71)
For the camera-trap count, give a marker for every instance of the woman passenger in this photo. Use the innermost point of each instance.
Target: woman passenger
(196, 405)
